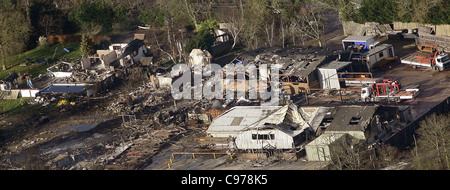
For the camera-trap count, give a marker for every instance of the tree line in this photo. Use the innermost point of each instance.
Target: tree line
(252, 23)
(388, 11)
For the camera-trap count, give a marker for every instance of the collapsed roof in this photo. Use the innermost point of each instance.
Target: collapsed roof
(293, 61)
(241, 118)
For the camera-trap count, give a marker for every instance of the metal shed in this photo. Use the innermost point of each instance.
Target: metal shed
(324, 147)
(328, 77)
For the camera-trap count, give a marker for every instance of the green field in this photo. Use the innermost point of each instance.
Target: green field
(29, 57)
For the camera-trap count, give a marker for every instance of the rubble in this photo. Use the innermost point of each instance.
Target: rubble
(138, 119)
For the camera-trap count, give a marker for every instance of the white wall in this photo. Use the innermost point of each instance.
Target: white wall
(319, 148)
(281, 141)
(29, 92)
(62, 74)
(318, 152)
(25, 92)
(328, 79)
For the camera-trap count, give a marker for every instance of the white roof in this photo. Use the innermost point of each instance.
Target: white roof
(336, 65)
(357, 38)
(241, 117)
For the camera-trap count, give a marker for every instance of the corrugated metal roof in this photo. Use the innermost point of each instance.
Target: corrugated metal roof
(351, 118)
(248, 115)
(61, 88)
(242, 118)
(335, 65)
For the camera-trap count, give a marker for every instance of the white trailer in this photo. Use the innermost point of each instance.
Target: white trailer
(378, 56)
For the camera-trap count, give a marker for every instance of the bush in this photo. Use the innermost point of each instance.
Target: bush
(207, 25)
(203, 40)
(43, 42)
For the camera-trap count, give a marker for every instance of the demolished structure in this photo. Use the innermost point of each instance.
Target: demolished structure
(15, 86)
(199, 57)
(118, 55)
(95, 73)
(289, 128)
(298, 66)
(260, 127)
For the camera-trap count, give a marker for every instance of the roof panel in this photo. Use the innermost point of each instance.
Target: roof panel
(249, 115)
(61, 88)
(345, 114)
(357, 38)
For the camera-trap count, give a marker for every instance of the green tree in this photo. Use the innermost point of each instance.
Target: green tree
(381, 11)
(421, 8)
(256, 15)
(14, 31)
(152, 16)
(404, 10)
(92, 17)
(207, 25)
(87, 46)
(174, 11)
(202, 40)
(439, 14)
(343, 7)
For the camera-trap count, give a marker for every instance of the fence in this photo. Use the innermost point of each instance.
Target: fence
(172, 157)
(441, 30)
(371, 28)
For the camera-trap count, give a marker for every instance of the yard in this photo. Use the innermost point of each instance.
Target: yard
(25, 62)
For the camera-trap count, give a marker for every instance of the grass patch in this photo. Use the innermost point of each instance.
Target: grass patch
(29, 57)
(12, 106)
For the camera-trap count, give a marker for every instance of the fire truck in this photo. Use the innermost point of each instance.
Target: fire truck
(387, 89)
